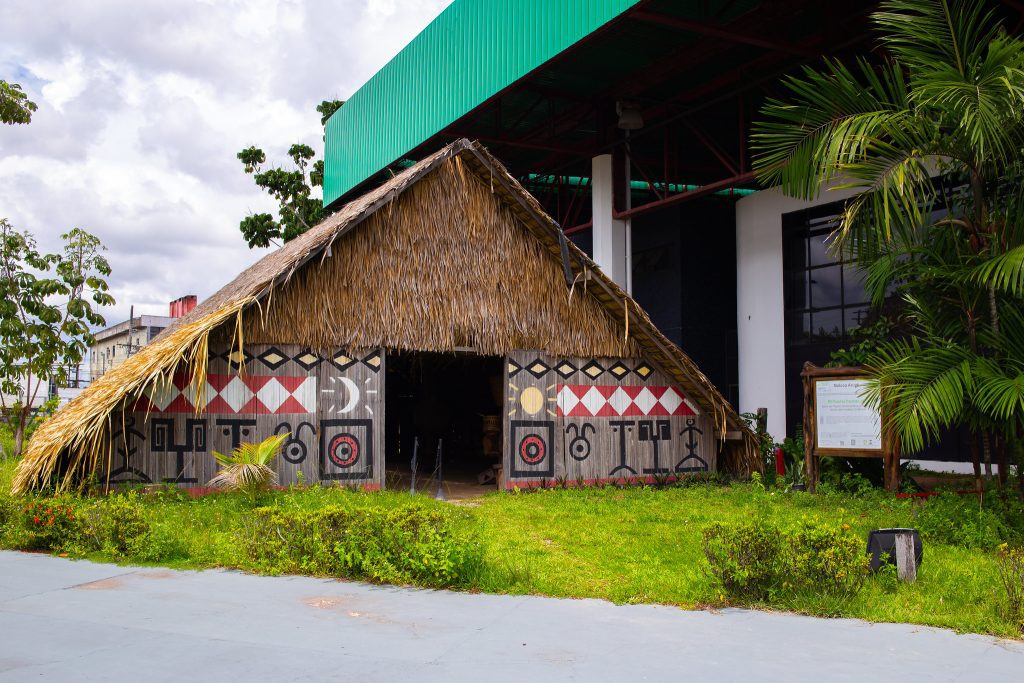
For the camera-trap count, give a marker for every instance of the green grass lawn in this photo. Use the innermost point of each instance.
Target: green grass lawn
(625, 545)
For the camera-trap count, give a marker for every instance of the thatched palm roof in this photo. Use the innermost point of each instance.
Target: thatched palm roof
(71, 444)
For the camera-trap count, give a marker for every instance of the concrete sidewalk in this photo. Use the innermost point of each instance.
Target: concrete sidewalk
(80, 621)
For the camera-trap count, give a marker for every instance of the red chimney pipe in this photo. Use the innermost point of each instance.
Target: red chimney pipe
(182, 305)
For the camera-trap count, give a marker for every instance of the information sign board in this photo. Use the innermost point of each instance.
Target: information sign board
(844, 419)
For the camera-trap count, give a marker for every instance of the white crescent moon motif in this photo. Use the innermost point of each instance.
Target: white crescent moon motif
(353, 395)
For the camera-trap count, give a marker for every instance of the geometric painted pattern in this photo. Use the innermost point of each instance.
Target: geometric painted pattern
(273, 358)
(643, 371)
(593, 369)
(372, 360)
(343, 361)
(538, 368)
(618, 370)
(565, 369)
(590, 400)
(233, 395)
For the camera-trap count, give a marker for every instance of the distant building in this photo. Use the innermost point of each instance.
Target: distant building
(118, 342)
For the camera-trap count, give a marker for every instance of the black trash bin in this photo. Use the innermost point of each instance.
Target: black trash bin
(883, 541)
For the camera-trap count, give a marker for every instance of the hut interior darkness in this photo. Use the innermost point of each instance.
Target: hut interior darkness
(444, 305)
(442, 419)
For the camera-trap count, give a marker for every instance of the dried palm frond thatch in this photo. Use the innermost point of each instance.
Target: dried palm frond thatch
(68, 447)
(446, 266)
(471, 208)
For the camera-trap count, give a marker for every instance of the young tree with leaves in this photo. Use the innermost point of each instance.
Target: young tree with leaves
(15, 106)
(48, 302)
(940, 119)
(292, 189)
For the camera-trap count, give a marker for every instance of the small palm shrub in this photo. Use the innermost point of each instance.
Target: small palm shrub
(248, 467)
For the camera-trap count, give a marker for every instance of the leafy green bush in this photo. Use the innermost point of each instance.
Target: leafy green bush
(161, 543)
(827, 559)
(755, 560)
(409, 544)
(48, 524)
(746, 558)
(961, 521)
(1011, 572)
(118, 524)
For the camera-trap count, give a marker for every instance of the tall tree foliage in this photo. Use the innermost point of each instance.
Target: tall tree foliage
(48, 304)
(298, 210)
(15, 106)
(937, 125)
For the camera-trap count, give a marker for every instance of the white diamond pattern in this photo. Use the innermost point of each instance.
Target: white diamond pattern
(272, 395)
(305, 394)
(236, 394)
(162, 394)
(645, 401)
(671, 400)
(619, 400)
(567, 400)
(593, 400)
(209, 393)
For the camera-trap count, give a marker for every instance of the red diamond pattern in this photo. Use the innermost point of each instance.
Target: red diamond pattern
(234, 395)
(613, 400)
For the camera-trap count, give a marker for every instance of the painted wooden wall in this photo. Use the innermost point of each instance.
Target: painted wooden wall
(598, 419)
(332, 405)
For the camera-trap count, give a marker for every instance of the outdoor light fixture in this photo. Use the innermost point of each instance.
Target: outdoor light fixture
(882, 546)
(630, 117)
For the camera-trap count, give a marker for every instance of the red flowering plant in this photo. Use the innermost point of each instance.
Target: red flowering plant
(50, 523)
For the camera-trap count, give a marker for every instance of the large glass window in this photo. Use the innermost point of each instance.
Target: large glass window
(824, 294)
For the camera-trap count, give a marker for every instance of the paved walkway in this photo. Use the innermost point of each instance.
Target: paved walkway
(81, 621)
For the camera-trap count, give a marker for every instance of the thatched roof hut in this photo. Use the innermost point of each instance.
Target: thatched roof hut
(451, 258)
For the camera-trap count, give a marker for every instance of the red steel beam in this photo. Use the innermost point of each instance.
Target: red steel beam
(703, 190)
(579, 228)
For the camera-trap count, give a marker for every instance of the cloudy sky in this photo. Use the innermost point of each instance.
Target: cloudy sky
(143, 105)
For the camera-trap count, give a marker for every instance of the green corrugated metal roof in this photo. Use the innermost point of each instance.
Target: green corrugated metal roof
(473, 50)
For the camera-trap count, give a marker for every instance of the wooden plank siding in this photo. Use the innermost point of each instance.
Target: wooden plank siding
(636, 425)
(551, 434)
(331, 405)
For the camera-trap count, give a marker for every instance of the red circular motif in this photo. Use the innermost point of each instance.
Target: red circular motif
(532, 449)
(344, 450)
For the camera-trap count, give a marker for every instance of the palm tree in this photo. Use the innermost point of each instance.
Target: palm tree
(248, 468)
(939, 123)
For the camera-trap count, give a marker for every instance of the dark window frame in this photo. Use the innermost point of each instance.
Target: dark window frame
(804, 227)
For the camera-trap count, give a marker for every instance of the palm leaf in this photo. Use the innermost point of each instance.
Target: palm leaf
(1004, 272)
(247, 467)
(831, 118)
(920, 388)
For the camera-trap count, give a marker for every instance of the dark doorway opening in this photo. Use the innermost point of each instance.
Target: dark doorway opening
(446, 410)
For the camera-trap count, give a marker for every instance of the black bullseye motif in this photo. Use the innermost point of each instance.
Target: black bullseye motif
(532, 449)
(344, 450)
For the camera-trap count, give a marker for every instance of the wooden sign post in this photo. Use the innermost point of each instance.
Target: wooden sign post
(838, 423)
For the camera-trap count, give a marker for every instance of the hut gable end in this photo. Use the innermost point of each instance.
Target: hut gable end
(450, 254)
(446, 265)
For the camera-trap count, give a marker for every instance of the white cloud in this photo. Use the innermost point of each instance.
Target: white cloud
(143, 106)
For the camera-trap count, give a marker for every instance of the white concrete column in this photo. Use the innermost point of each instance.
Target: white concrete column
(760, 326)
(612, 240)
